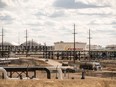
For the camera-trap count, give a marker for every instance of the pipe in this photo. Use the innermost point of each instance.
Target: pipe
(16, 69)
(6, 76)
(4, 73)
(46, 69)
(58, 69)
(48, 72)
(59, 73)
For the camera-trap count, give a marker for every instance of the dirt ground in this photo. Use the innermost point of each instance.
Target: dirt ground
(70, 79)
(59, 83)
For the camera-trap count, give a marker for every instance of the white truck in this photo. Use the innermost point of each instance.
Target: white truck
(90, 65)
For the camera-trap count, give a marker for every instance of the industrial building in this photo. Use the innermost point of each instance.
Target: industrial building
(29, 47)
(110, 47)
(69, 46)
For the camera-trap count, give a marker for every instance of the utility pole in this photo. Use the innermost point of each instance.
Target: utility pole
(45, 48)
(74, 45)
(26, 43)
(2, 41)
(32, 46)
(18, 38)
(32, 42)
(89, 44)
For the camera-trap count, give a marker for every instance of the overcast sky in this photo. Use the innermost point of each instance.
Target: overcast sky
(52, 20)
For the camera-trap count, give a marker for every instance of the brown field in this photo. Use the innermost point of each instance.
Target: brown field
(92, 78)
(59, 83)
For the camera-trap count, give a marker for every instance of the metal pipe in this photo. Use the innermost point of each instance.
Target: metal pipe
(59, 70)
(4, 73)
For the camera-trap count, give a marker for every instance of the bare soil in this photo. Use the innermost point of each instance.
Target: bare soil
(59, 83)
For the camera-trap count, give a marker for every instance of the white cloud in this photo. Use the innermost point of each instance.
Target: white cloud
(52, 20)
(98, 2)
(80, 4)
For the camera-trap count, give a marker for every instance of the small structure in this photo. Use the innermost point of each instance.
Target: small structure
(83, 74)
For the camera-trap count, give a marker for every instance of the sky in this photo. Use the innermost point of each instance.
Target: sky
(49, 21)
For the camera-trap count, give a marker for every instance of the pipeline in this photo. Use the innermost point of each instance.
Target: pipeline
(58, 69)
(4, 73)
(6, 76)
(59, 73)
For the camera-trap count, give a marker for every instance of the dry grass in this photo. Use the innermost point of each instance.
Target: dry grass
(88, 82)
(59, 83)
